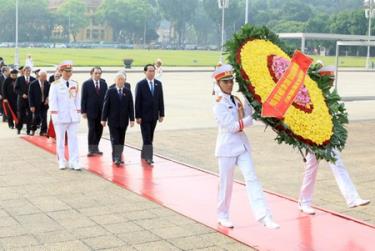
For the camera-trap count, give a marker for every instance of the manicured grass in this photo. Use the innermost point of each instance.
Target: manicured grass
(112, 57)
(344, 61)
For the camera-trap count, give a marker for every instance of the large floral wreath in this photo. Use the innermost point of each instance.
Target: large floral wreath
(315, 121)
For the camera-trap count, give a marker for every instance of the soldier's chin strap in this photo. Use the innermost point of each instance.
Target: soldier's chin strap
(302, 154)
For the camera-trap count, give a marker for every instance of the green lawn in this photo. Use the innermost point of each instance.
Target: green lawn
(114, 57)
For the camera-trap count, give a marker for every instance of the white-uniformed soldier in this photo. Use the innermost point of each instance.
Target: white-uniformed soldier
(233, 148)
(342, 177)
(65, 107)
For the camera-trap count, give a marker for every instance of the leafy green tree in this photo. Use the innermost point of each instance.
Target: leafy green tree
(179, 13)
(72, 13)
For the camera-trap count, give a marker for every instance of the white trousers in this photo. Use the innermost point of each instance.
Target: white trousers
(340, 173)
(71, 129)
(253, 187)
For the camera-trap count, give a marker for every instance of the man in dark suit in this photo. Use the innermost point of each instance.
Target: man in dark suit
(92, 99)
(10, 97)
(23, 110)
(149, 108)
(38, 102)
(4, 73)
(118, 109)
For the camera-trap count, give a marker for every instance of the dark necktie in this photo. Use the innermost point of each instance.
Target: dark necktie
(97, 87)
(232, 98)
(152, 88)
(67, 84)
(120, 93)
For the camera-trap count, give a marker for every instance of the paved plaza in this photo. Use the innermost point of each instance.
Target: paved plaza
(42, 208)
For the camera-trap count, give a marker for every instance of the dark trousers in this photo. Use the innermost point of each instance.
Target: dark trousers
(2, 111)
(24, 116)
(39, 118)
(10, 118)
(147, 129)
(95, 133)
(117, 135)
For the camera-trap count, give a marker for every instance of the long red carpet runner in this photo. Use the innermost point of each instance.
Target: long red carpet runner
(192, 192)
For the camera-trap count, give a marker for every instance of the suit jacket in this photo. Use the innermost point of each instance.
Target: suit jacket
(9, 93)
(118, 111)
(35, 94)
(2, 80)
(149, 107)
(22, 87)
(91, 101)
(65, 102)
(231, 139)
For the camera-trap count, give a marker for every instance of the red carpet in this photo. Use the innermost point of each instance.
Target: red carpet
(192, 192)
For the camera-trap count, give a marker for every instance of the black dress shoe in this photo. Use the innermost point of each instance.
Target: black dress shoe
(98, 152)
(122, 162)
(32, 133)
(149, 162)
(117, 163)
(91, 154)
(18, 131)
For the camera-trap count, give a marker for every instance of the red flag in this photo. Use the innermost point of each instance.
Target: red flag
(14, 116)
(287, 87)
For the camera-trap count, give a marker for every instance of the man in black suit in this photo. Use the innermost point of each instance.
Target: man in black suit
(149, 108)
(118, 109)
(10, 97)
(4, 73)
(38, 102)
(92, 99)
(23, 109)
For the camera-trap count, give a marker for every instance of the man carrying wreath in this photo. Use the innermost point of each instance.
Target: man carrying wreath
(233, 149)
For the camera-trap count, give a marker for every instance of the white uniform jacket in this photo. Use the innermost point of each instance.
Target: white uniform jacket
(64, 102)
(231, 140)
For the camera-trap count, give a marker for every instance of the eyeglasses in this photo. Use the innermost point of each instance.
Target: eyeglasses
(68, 70)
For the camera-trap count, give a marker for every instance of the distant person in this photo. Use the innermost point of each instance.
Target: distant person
(4, 73)
(92, 99)
(23, 109)
(118, 109)
(36, 72)
(149, 109)
(65, 107)
(29, 61)
(21, 70)
(38, 102)
(10, 97)
(2, 62)
(52, 78)
(158, 69)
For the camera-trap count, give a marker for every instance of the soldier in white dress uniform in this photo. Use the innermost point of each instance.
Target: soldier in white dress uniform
(65, 107)
(342, 177)
(233, 148)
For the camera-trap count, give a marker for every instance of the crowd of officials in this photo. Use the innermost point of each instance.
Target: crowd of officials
(28, 95)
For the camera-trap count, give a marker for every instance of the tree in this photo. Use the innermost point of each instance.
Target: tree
(34, 20)
(179, 13)
(130, 20)
(72, 14)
